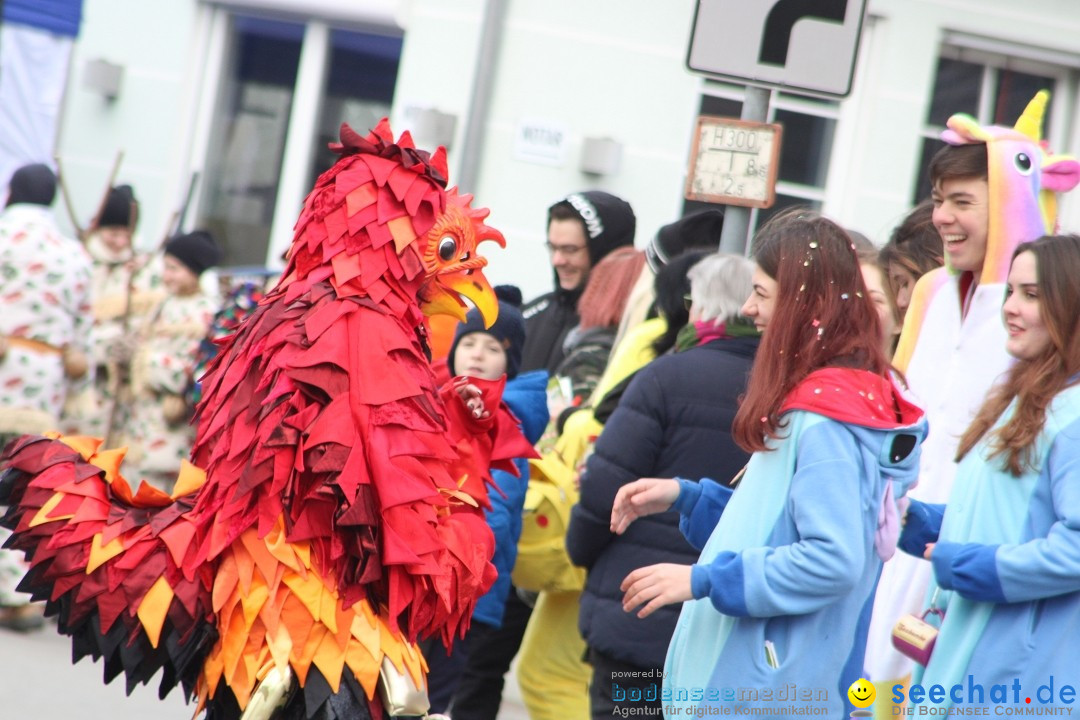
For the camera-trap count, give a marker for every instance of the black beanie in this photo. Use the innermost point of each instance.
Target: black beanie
(508, 329)
(195, 249)
(698, 231)
(33, 185)
(609, 221)
(118, 207)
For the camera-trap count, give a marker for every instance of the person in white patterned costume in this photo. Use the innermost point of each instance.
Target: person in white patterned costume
(44, 326)
(125, 286)
(159, 431)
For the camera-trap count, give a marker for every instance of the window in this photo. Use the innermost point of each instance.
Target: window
(252, 139)
(992, 88)
(359, 89)
(251, 122)
(809, 125)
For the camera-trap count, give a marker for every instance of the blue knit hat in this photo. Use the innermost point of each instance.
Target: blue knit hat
(509, 328)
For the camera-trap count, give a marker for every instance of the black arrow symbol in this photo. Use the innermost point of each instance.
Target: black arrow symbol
(776, 38)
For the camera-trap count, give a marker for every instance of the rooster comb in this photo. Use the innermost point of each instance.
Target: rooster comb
(380, 142)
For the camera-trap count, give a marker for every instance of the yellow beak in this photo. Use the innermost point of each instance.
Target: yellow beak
(447, 291)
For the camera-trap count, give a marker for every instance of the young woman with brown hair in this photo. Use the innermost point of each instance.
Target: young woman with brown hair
(781, 592)
(913, 250)
(1006, 548)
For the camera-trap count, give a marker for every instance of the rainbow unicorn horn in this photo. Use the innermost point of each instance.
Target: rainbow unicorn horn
(1030, 123)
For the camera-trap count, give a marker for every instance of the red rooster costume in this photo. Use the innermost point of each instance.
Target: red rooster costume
(331, 514)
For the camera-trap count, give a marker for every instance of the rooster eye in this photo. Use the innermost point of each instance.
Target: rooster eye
(447, 248)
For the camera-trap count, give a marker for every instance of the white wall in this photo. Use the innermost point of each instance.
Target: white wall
(603, 68)
(158, 45)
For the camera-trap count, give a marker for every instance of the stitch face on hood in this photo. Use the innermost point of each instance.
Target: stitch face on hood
(886, 424)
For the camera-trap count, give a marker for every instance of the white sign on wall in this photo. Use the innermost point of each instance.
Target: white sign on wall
(792, 45)
(541, 141)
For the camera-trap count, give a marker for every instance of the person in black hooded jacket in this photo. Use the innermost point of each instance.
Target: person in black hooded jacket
(673, 421)
(582, 229)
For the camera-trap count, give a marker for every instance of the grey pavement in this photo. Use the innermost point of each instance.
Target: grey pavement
(38, 682)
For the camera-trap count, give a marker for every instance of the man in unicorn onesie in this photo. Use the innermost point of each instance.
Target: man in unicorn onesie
(993, 188)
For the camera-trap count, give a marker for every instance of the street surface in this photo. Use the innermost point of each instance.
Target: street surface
(38, 682)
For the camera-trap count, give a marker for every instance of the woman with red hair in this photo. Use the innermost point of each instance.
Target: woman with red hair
(780, 596)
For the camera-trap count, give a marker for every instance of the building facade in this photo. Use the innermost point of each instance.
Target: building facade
(231, 103)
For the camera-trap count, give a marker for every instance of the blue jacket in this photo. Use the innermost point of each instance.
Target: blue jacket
(791, 564)
(526, 396)
(1007, 559)
(674, 420)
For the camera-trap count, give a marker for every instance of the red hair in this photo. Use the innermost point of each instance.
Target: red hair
(608, 288)
(823, 317)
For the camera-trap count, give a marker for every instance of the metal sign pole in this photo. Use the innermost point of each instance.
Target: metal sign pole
(733, 238)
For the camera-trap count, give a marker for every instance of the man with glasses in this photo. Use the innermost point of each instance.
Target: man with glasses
(582, 229)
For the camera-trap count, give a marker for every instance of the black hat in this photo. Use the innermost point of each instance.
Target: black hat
(32, 184)
(698, 231)
(509, 328)
(196, 249)
(609, 221)
(118, 207)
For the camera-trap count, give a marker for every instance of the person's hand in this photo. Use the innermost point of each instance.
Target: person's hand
(122, 349)
(656, 586)
(76, 363)
(175, 410)
(556, 406)
(929, 550)
(472, 396)
(646, 496)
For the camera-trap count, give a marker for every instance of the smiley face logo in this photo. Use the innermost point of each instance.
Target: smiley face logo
(861, 693)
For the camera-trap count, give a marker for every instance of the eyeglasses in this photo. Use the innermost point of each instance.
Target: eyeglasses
(687, 301)
(568, 250)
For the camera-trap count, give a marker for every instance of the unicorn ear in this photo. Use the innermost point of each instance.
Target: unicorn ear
(964, 130)
(1060, 174)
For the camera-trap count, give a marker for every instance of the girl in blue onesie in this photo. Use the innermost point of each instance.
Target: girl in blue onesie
(776, 609)
(1006, 548)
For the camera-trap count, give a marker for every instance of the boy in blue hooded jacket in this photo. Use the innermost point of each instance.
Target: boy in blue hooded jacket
(481, 354)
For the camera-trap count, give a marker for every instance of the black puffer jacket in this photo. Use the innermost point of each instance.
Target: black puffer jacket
(674, 421)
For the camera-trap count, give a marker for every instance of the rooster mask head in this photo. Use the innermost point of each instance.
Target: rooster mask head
(380, 223)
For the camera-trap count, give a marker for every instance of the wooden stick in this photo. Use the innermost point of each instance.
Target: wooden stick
(182, 212)
(79, 231)
(105, 195)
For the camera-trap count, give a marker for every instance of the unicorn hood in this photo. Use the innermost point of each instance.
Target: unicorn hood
(1023, 177)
